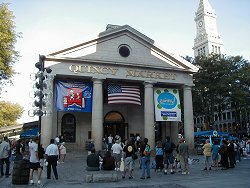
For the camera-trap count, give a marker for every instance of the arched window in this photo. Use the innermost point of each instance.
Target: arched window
(114, 117)
(68, 130)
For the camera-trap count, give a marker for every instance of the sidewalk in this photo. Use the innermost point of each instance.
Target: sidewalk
(72, 174)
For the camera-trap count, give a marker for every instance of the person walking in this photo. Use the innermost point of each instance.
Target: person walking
(159, 156)
(5, 157)
(168, 149)
(231, 154)
(110, 142)
(52, 157)
(145, 158)
(184, 155)
(215, 154)
(224, 155)
(34, 162)
(63, 152)
(117, 151)
(207, 151)
(128, 150)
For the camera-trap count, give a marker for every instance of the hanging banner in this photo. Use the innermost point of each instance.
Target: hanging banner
(167, 104)
(73, 96)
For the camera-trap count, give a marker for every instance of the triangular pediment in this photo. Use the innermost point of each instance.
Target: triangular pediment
(106, 49)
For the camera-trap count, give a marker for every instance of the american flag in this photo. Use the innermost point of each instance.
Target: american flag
(119, 94)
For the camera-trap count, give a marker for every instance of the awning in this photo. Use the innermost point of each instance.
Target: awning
(211, 133)
(30, 133)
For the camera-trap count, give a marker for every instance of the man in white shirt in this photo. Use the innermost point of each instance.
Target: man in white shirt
(117, 151)
(5, 157)
(35, 162)
(52, 157)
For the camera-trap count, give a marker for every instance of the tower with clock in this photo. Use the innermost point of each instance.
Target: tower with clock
(207, 39)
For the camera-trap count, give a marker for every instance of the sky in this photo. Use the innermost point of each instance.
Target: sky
(48, 26)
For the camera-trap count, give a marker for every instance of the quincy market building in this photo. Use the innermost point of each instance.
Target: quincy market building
(119, 83)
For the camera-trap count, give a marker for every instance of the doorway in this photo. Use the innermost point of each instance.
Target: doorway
(114, 124)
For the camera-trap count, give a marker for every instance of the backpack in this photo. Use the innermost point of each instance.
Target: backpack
(168, 147)
(147, 151)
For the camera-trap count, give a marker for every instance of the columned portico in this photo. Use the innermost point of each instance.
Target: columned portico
(123, 58)
(149, 130)
(188, 117)
(97, 113)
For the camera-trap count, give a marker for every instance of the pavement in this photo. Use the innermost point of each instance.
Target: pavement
(72, 174)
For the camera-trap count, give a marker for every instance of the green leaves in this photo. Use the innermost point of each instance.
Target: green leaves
(9, 113)
(8, 38)
(220, 80)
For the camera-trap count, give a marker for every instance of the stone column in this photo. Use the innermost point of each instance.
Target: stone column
(174, 132)
(149, 130)
(97, 113)
(188, 117)
(47, 119)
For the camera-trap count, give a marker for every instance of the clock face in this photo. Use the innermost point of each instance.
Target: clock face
(200, 23)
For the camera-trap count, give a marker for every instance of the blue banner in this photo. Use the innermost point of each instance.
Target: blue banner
(73, 96)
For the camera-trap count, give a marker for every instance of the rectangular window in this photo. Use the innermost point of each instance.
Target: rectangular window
(224, 116)
(216, 117)
(89, 134)
(213, 48)
(233, 114)
(228, 115)
(216, 49)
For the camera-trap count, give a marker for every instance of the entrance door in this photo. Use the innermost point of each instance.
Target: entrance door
(114, 129)
(114, 124)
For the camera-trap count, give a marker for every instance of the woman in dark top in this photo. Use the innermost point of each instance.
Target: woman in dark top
(19, 151)
(108, 162)
(224, 155)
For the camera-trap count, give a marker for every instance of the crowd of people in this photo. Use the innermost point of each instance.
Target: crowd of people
(33, 151)
(119, 156)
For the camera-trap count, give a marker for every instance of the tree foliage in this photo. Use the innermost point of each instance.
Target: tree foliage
(9, 113)
(8, 38)
(220, 82)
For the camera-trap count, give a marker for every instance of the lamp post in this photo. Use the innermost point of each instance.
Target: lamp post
(39, 102)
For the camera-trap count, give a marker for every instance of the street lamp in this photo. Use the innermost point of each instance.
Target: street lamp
(39, 95)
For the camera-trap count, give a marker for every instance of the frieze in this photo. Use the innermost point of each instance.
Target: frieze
(127, 72)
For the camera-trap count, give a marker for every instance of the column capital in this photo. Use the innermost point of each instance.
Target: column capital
(97, 80)
(149, 83)
(188, 86)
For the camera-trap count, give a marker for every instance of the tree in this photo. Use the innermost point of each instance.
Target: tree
(239, 88)
(8, 38)
(9, 113)
(220, 81)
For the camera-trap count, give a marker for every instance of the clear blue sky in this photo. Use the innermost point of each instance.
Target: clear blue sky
(52, 25)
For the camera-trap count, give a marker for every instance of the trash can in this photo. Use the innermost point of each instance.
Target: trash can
(20, 173)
